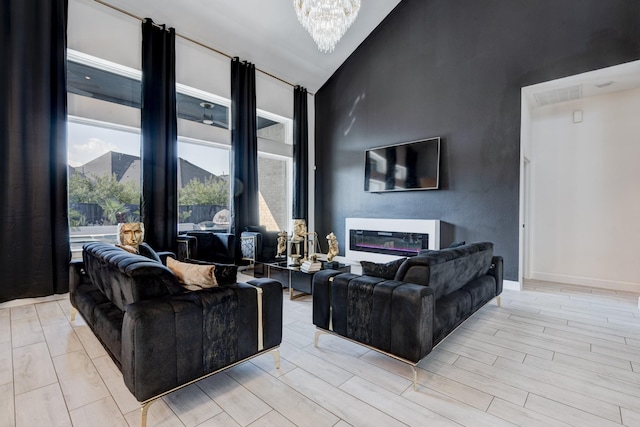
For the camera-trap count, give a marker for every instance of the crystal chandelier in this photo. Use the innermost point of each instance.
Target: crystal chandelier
(326, 20)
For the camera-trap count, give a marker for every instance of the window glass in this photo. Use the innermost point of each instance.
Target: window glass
(103, 149)
(203, 186)
(104, 180)
(203, 165)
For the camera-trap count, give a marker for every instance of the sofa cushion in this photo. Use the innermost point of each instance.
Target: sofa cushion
(482, 290)
(383, 270)
(193, 276)
(451, 311)
(107, 327)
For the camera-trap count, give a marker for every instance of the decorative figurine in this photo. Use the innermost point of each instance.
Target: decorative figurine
(333, 246)
(282, 244)
(298, 251)
(299, 230)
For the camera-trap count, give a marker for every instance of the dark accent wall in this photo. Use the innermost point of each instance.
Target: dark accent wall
(454, 69)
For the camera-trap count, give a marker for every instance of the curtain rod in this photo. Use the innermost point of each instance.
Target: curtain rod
(117, 9)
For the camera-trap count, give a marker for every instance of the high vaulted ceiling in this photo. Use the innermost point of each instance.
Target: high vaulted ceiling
(265, 32)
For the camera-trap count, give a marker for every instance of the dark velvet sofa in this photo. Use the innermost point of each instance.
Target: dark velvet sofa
(162, 336)
(415, 306)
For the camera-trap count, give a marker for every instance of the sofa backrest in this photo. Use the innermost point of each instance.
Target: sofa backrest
(124, 277)
(215, 247)
(447, 270)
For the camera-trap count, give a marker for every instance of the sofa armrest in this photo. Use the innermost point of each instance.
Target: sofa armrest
(415, 270)
(497, 270)
(412, 321)
(321, 301)
(164, 255)
(271, 310)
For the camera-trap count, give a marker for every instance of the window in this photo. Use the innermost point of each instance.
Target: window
(104, 101)
(103, 148)
(203, 186)
(204, 160)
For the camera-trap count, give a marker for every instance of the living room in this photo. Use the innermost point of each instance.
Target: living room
(454, 70)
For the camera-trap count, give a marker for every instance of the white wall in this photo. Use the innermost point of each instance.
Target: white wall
(585, 201)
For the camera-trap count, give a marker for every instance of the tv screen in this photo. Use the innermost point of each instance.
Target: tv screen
(407, 166)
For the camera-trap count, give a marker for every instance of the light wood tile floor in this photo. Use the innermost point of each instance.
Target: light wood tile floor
(552, 355)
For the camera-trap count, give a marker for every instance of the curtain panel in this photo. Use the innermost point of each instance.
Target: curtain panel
(244, 149)
(300, 154)
(159, 202)
(34, 229)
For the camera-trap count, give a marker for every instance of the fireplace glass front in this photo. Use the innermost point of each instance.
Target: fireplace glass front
(388, 242)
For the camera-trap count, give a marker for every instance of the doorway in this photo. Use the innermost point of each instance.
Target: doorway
(577, 200)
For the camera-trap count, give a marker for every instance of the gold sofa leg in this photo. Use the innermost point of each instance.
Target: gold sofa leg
(74, 311)
(276, 357)
(144, 409)
(498, 301)
(317, 337)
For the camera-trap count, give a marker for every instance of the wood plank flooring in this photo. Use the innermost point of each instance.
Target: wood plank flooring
(552, 355)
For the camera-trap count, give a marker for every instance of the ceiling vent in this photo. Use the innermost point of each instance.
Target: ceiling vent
(554, 96)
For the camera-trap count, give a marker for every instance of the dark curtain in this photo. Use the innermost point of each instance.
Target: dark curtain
(159, 137)
(244, 149)
(300, 154)
(34, 228)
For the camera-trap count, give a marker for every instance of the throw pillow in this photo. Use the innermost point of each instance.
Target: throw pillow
(385, 271)
(193, 276)
(457, 244)
(226, 274)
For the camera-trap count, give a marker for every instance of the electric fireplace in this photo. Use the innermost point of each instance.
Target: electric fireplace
(386, 239)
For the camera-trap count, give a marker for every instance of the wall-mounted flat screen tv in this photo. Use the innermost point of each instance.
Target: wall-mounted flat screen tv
(411, 165)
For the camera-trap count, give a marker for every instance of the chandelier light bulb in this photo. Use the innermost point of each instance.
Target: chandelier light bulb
(326, 20)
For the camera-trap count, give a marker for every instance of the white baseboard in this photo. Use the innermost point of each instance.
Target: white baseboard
(511, 285)
(35, 300)
(588, 281)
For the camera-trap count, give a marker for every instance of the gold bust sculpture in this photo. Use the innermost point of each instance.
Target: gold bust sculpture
(130, 235)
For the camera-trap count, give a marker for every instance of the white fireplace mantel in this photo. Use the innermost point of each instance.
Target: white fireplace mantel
(424, 226)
